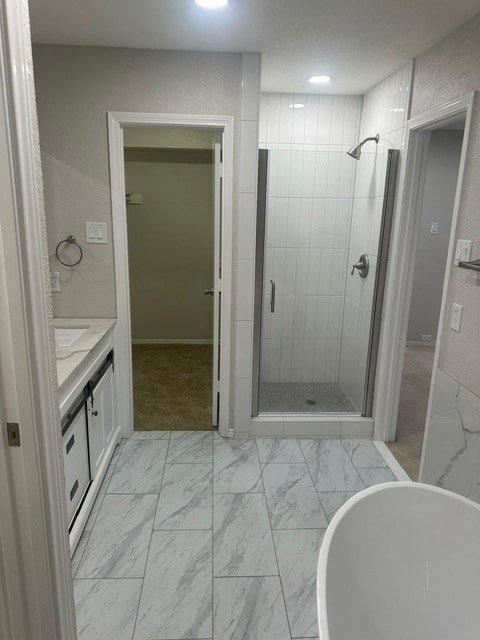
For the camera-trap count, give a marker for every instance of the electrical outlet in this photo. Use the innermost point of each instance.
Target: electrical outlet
(434, 228)
(54, 281)
(426, 337)
(456, 317)
(463, 251)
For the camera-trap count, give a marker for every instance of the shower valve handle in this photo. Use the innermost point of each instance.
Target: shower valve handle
(362, 266)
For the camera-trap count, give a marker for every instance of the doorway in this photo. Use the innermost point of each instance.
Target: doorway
(432, 240)
(170, 211)
(221, 278)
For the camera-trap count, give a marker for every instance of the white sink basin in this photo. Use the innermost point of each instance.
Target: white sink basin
(66, 336)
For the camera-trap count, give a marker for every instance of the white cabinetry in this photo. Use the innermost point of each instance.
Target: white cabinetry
(101, 420)
(90, 433)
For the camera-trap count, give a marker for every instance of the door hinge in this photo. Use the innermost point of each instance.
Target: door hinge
(13, 432)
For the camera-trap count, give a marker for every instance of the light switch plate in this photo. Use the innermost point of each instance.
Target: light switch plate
(434, 228)
(463, 251)
(96, 232)
(456, 317)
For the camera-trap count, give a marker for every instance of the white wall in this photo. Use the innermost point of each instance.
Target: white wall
(385, 111)
(76, 87)
(431, 255)
(171, 243)
(309, 206)
(452, 446)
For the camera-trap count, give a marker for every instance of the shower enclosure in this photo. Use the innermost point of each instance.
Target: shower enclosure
(323, 229)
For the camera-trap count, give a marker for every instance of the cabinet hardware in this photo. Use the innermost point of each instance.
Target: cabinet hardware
(94, 413)
(13, 431)
(70, 443)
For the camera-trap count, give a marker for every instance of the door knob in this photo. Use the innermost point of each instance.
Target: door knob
(209, 292)
(362, 266)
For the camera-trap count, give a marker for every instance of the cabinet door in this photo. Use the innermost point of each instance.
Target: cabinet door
(75, 455)
(101, 420)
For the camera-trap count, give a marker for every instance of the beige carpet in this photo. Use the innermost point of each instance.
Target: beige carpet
(172, 387)
(416, 378)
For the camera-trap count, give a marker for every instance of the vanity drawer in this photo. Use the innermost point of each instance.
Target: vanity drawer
(76, 462)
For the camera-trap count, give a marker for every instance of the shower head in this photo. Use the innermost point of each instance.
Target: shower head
(356, 151)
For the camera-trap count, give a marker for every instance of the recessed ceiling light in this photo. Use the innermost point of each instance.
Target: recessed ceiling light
(211, 4)
(319, 79)
(296, 105)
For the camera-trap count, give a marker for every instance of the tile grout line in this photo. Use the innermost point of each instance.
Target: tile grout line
(314, 485)
(151, 537)
(273, 542)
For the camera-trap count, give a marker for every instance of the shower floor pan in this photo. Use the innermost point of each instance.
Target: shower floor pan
(304, 397)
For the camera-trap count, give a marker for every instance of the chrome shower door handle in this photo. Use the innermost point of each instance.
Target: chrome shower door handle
(362, 266)
(272, 296)
(209, 292)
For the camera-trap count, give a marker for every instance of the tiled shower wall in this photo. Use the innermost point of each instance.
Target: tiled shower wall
(310, 191)
(385, 111)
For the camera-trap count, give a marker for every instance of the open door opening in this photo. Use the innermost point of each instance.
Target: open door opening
(173, 183)
(432, 244)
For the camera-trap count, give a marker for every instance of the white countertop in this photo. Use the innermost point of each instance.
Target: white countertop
(69, 358)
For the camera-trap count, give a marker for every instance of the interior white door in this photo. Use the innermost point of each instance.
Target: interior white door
(217, 275)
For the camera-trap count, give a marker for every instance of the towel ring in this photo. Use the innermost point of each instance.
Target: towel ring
(69, 240)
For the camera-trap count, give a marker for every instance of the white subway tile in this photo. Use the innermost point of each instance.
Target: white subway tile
(290, 270)
(312, 427)
(317, 228)
(283, 174)
(281, 214)
(333, 179)
(266, 427)
(298, 125)
(275, 354)
(353, 106)
(302, 271)
(297, 361)
(321, 174)
(262, 124)
(310, 318)
(335, 317)
(276, 319)
(332, 360)
(305, 223)
(286, 118)
(273, 117)
(338, 119)
(325, 273)
(296, 174)
(246, 226)
(330, 222)
(243, 349)
(287, 317)
(247, 182)
(307, 362)
(321, 326)
(272, 172)
(308, 175)
(293, 221)
(242, 404)
(343, 221)
(244, 293)
(314, 259)
(324, 120)
(278, 274)
(311, 118)
(299, 315)
(286, 361)
(319, 361)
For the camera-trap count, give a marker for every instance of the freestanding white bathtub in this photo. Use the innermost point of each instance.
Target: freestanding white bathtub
(401, 561)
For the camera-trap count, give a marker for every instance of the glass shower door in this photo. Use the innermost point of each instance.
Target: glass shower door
(321, 261)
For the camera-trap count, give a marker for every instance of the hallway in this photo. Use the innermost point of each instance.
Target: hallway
(195, 536)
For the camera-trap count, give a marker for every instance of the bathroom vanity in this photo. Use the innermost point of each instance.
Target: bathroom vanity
(90, 431)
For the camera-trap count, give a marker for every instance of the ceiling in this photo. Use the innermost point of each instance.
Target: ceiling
(358, 42)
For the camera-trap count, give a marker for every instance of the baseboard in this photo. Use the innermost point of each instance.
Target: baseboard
(172, 341)
(415, 343)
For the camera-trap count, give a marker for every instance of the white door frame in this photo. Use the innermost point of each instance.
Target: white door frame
(116, 122)
(402, 263)
(33, 494)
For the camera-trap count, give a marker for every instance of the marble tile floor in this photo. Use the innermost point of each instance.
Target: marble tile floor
(195, 536)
